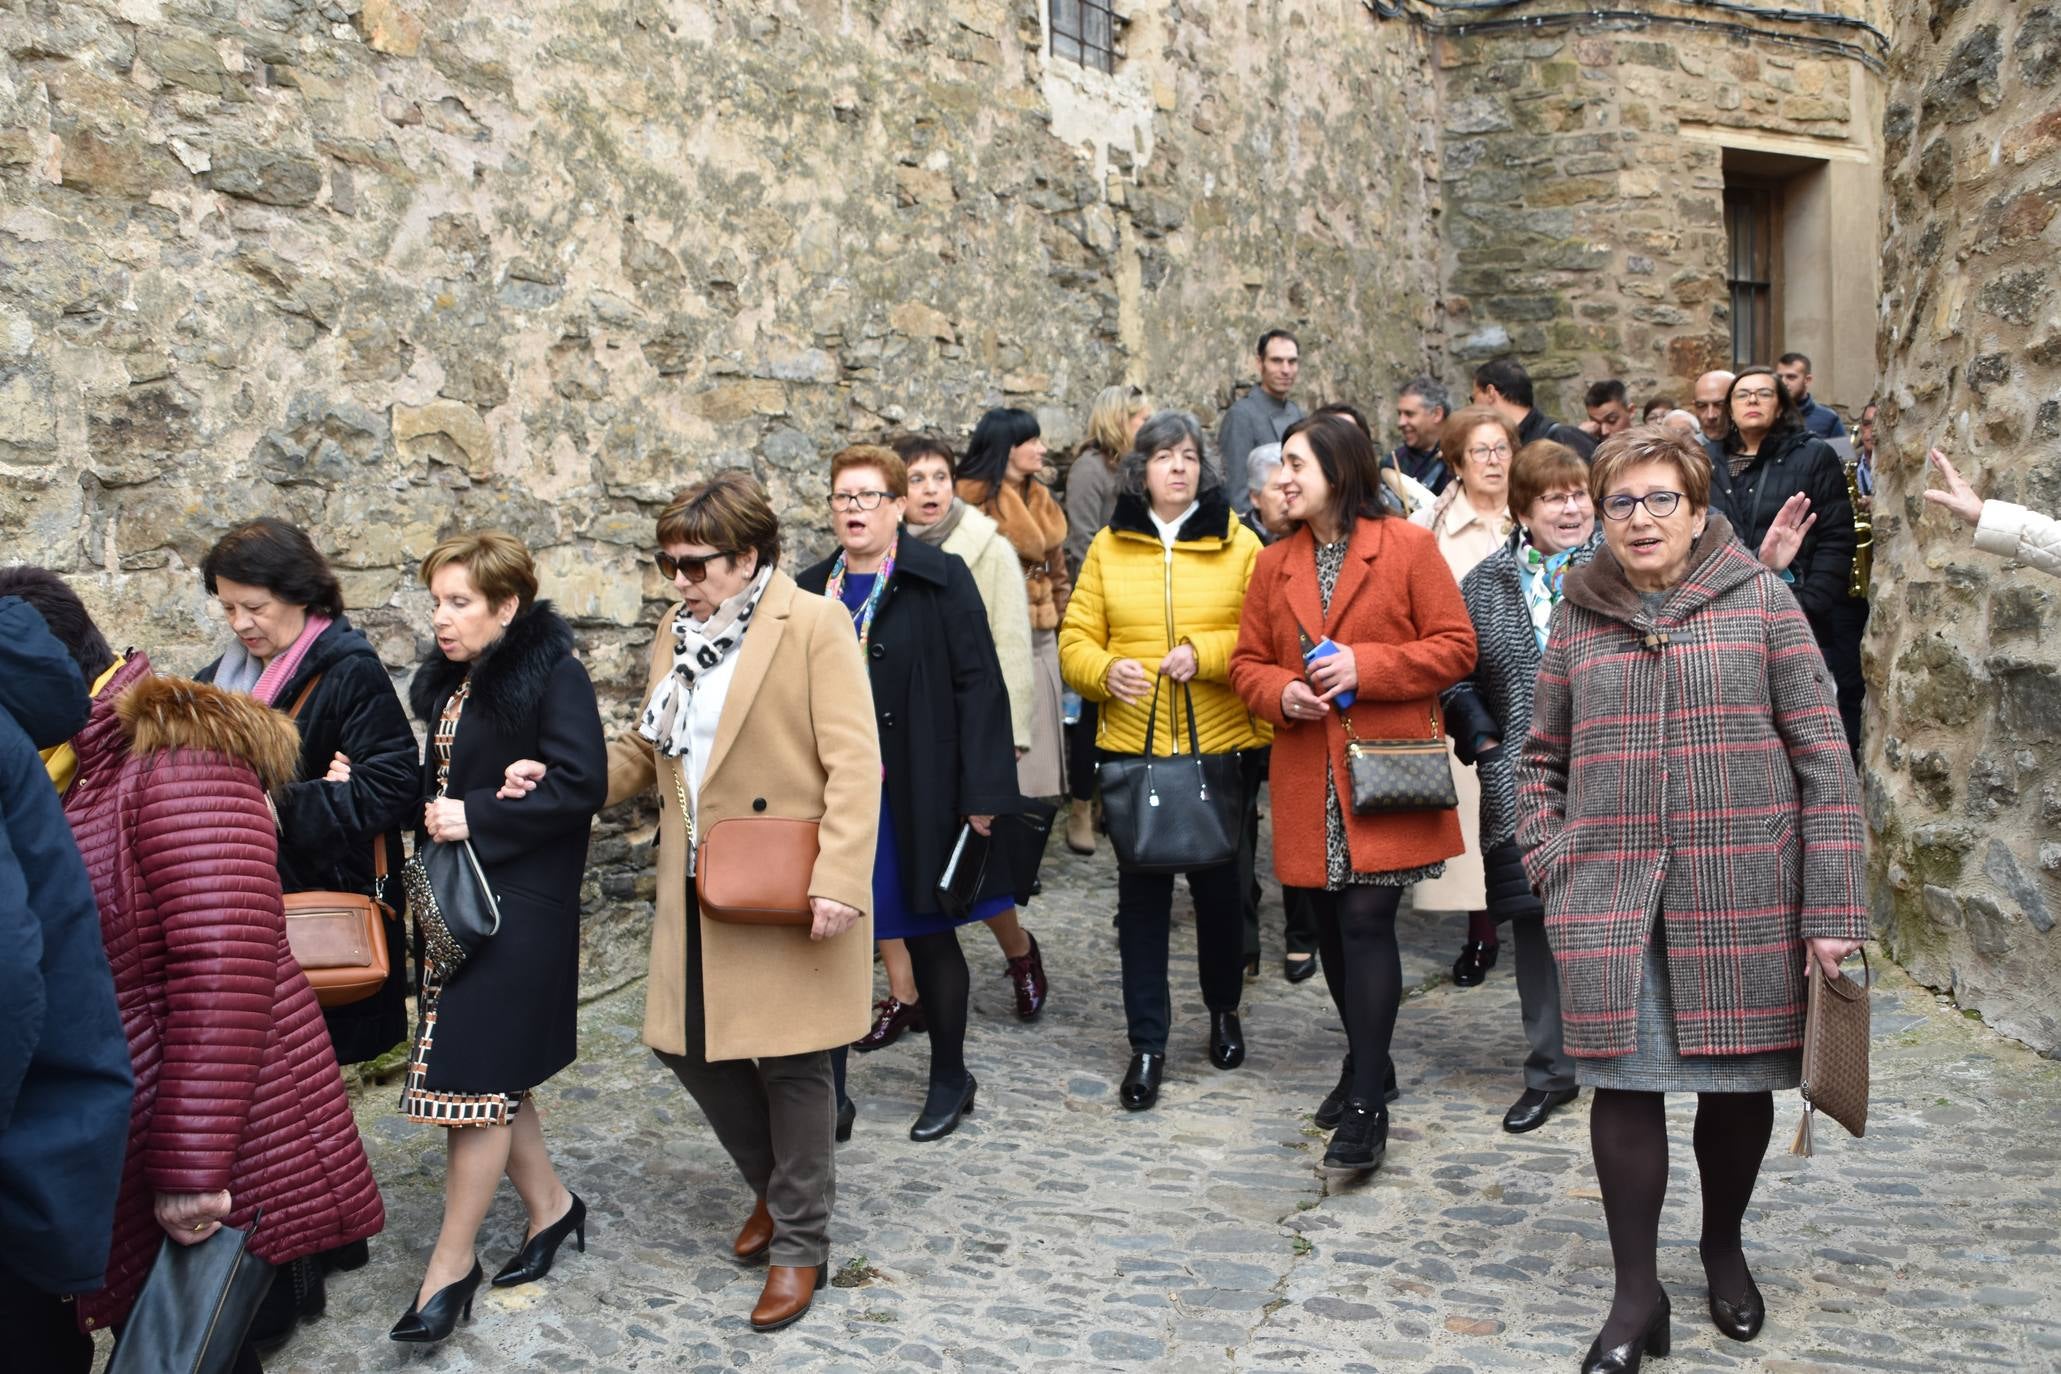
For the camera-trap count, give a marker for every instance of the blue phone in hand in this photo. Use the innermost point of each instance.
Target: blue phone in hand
(1324, 648)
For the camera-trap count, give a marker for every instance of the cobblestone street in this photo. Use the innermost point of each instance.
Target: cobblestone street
(1057, 1232)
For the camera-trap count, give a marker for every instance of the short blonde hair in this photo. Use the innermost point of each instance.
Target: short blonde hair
(894, 473)
(1641, 444)
(1109, 421)
(498, 564)
(1539, 467)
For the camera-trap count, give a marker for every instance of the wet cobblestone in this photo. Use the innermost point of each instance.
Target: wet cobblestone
(1057, 1232)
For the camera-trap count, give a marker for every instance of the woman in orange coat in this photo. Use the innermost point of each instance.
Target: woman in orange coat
(1376, 587)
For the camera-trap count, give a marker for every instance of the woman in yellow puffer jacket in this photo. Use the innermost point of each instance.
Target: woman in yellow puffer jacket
(1160, 593)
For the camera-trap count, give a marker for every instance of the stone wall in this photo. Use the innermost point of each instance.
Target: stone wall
(393, 267)
(1964, 658)
(1581, 173)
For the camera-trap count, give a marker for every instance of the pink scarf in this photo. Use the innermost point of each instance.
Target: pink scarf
(280, 670)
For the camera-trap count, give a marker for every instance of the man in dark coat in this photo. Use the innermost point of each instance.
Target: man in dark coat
(1795, 371)
(65, 1085)
(1504, 384)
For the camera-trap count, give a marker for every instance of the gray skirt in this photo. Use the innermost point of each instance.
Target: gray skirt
(1658, 1064)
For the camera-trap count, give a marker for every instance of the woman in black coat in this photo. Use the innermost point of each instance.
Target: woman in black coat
(945, 744)
(504, 685)
(360, 769)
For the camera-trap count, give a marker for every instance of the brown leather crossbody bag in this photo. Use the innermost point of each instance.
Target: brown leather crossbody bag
(751, 870)
(339, 938)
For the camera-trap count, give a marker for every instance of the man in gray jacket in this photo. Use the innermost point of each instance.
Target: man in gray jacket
(1262, 415)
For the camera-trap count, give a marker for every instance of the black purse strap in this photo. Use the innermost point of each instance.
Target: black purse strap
(1152, 718)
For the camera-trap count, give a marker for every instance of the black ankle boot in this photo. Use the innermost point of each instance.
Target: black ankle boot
(1361, 1140)
(1226, 1040)
(1140, 1088)
(1624, 1357)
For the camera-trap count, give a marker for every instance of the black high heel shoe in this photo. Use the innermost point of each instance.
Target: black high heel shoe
(847, 1116)
(1740, 1320)
(1624, 1357)
(533, 1261)
(1226, 1040)
(435, 1319)
(937, 1125)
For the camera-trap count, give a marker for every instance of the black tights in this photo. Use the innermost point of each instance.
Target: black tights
(1628, 1135)
(1364, 970)
(944, 986)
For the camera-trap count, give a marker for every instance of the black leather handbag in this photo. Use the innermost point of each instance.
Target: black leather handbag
(454, 904)
(195, 1308)
(1177, 812)
(1399, 774)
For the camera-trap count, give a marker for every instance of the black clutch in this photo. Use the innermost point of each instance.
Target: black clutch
(195, 1308)
(1003, 862)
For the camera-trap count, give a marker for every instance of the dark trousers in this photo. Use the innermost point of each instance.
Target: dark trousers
(1298, 920)
(1144, 921)
(42, 1330)
(1840, 631)
(1080, 753)
(776, 1116)
(1548, 1067)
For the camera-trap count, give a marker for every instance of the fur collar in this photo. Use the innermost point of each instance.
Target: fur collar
(159, 714)
(507, 681)
(1033, 525)
(1717, 563)
(1211, 520)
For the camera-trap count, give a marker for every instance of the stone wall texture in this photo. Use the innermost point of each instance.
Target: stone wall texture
(1964, 659)
(390, 268)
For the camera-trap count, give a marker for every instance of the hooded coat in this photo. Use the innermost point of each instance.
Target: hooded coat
(65, 1086)
(236, 1085)
(327, 830)
(508, 1021)
(1689, 766)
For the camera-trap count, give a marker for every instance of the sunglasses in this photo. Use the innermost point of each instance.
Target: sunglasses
(695, 567)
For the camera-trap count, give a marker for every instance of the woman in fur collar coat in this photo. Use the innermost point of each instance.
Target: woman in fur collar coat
(502, 686)
(1000, 476)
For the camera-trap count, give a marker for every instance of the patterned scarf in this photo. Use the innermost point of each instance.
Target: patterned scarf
(862, 618)
(698, 647)
(1544, 577)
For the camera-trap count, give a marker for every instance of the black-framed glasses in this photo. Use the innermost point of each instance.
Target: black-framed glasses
(1659, 504)
(695, 566)
(857, 500)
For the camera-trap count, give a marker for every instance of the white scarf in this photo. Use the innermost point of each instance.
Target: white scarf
(697, 648)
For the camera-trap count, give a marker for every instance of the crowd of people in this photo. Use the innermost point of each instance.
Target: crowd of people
(1598, 682)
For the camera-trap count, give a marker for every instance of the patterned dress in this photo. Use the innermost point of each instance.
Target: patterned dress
(418, 1101)
(1338, 870)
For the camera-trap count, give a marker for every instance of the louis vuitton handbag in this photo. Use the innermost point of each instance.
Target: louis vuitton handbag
(1835, 1053)
(1399, 774)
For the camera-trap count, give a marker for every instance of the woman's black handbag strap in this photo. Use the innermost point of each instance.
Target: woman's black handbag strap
(1152, 718)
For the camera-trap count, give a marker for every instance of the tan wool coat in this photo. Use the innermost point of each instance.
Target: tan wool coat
(795, 740)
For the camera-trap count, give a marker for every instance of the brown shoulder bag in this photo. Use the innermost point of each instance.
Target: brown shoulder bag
(339, 938)
(751, 870)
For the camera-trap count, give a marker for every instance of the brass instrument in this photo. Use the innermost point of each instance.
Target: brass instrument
(1863, 534)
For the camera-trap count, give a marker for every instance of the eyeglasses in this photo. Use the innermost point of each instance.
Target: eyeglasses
(1757, 394)
(695, 566)
(857, 500)
(1576, 498)
(1659, 504)
(1488, 453)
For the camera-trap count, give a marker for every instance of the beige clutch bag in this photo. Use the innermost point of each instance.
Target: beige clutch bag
(1835, 1053)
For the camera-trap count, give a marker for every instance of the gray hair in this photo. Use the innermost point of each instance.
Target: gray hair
(1695, 425)
(1164, 430)
(1429, 390)
(1260, 465)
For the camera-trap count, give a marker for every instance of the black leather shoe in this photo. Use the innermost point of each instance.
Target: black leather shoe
(1140, 1088)
(533, 1261)
(344, 1258)
(1477, 957)
(936, 1125)
(1530, 1111)
(846, 1115)
(1299, 970)
(1361, 1140)
(1624, 1357)
(1740, 1320)
(1226, 1040)
(1251, 967)
(1332, 1109)
(435, 1319)
(296, 1295)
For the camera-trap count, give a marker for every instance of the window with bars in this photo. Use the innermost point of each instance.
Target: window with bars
(1084, 31)
(1750, 239)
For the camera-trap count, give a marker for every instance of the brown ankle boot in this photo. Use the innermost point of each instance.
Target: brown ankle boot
(757, 1236)
(1080, 827)
(789, 1291)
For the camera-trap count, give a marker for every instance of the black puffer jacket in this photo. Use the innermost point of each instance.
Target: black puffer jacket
(327, 829)
(1790, 461)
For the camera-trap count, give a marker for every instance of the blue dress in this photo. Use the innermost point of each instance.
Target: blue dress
(892, 919)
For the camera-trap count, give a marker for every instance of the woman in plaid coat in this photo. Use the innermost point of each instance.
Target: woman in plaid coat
(1692, 822)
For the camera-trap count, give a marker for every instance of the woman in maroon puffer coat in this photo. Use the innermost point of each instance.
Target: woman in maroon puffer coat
(239, 1104)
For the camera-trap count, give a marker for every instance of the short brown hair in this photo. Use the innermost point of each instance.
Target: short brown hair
(1539, 467)
(498, 564)
(1629, 448)
(893, 471)
(270, 553)
(1461, 424)
(728, 511)
(910, 447)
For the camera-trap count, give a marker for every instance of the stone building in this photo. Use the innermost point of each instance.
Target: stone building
(390, 267)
